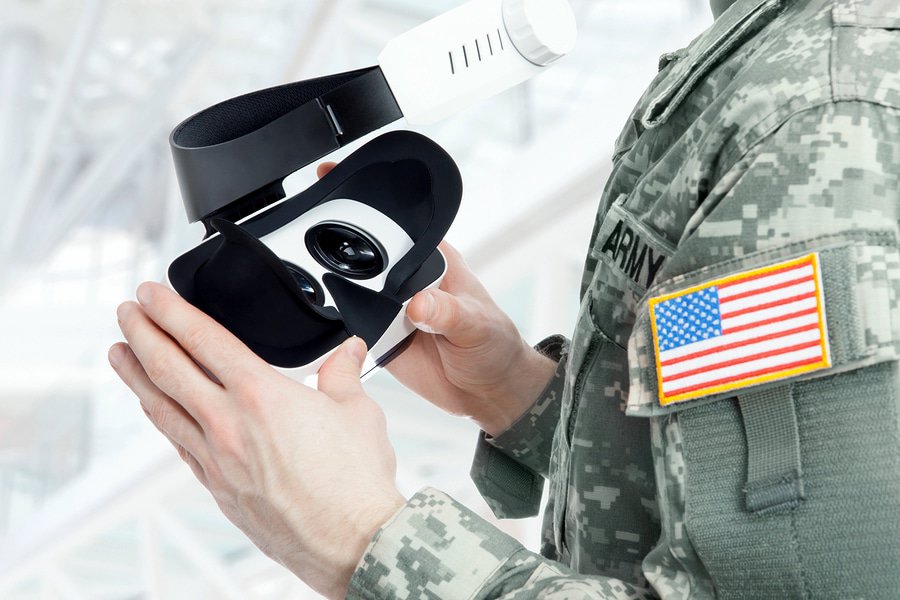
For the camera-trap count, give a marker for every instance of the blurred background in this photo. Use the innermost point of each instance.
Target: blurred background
(94, 503)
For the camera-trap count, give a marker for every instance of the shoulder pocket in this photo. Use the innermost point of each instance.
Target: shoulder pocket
(798, 312)
(880, 14)
(633, 127)
(865, 45)
(727, 33)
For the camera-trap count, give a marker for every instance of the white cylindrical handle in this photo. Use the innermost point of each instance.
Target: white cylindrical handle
(541, 30)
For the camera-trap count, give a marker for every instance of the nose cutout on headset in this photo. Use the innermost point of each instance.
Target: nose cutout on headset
(366, 313)
(248, 290)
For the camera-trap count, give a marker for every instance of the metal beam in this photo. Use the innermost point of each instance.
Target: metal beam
(65, 588)
(149, 558)
(318, 37)
(213, 569)
(106, 172)
(104, 497)
(42, 145)
(18, 53)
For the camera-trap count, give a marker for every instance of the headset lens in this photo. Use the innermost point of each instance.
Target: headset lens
(346, 250)
(306, 284)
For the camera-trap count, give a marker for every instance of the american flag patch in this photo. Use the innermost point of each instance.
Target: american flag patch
(752, 327)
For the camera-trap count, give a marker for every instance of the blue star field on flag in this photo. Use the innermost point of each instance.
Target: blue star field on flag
(687, 319)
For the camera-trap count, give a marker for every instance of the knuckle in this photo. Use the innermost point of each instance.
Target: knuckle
(247, 386)
(227, 444)
(468, 312)
(159, 416)
(482, 317)
(243, 381)
(183, 454)
(215, 479)
(205, 413)
(125, 313)
(157, 368)
(164, 302)
(329, 370)
(448, 310)
(195, 337)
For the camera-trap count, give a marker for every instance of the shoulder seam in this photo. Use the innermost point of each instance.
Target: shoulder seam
(769, 124)
(832, 52)
(740, 152)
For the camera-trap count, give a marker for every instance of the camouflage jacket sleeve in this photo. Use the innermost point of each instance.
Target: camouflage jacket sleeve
(436, 548)
(509, 469)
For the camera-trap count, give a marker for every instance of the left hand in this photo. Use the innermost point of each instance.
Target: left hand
(308, 475)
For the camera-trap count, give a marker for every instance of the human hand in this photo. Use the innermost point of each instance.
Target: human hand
(307, 475)
(468, 357)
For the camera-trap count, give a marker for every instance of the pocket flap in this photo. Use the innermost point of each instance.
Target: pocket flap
(796, 312)
(731, 29)
(879, 14)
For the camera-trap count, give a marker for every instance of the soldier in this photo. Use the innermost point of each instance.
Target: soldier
(725, 422)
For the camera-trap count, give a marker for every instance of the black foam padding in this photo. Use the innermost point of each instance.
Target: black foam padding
(402, 174)
(366, 313)
(424, 276)
(247, 289)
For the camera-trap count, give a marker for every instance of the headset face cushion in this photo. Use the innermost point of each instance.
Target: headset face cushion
(243, 286)
(236, 279)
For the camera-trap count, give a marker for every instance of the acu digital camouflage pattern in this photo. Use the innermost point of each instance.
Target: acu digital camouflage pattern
(777, 130)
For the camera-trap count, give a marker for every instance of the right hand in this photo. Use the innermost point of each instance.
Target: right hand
(468, 358)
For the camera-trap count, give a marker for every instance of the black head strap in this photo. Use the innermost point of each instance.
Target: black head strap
(231, 158)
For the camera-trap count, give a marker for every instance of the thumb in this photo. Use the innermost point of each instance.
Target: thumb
(454, 317)
(324, 168)
(339, 375)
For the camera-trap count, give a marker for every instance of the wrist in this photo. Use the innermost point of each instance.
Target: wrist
(528, 375)
(363, 528)
(325, 554)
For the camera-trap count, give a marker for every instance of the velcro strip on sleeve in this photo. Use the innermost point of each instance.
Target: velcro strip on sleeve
(774, 469)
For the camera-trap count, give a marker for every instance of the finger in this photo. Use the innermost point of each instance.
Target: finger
(451, 253)
(213, 346)
(166, 365)
(167, 415)
(459, 278)
(193, 463)
(339, 376)
(324, 168)
(456, 318)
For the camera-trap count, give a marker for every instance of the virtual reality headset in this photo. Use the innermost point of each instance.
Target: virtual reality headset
(293, 278)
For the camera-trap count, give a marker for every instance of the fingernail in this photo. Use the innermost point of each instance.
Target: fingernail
(143, 294)
(116, 355)
(120, 312)
(429, 308)
(357, 349)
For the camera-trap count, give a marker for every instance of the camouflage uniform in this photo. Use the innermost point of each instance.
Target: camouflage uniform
(775, 133)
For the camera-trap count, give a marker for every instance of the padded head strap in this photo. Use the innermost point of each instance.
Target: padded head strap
(230, 159)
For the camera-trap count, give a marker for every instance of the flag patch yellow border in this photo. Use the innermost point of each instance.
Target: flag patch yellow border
(754, 313)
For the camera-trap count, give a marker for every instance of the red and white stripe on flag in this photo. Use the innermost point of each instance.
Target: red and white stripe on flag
(757, 326)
